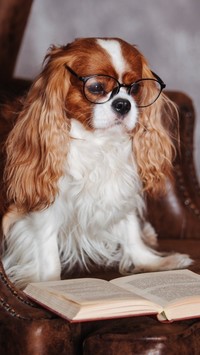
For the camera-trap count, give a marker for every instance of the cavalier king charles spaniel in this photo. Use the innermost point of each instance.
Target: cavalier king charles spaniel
(88, 145)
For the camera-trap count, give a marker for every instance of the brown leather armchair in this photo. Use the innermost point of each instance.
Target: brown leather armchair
(26, 329)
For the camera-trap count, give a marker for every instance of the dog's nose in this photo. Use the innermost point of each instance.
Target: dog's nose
(121, 106)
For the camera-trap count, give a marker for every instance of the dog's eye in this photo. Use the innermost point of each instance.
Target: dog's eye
(135, 88)
(96, 88)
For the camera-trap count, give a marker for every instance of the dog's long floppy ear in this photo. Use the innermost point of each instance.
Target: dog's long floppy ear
(152, 142)
(37, 145)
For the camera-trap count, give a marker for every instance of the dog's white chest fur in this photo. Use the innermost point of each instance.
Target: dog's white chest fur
(101, 171)
(100, 188)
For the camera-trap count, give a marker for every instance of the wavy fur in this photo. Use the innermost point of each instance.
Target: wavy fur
(153, 144)
(36, 159)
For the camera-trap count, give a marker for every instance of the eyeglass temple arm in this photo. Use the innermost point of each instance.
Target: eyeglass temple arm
(159, 79)
(73, 72)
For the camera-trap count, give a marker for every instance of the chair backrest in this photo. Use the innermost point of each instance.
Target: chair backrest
(177, 214)
(13, 19)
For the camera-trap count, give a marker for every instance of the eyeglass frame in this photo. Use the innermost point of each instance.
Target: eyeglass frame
(114, 92)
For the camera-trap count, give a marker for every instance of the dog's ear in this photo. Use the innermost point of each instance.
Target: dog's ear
(152, 141)
(37, 146)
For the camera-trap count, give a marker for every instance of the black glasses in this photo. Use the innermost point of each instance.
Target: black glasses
(99, 89)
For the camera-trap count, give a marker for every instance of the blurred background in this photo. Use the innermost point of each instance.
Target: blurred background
(167, 32)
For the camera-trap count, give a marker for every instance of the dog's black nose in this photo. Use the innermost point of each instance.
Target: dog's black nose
(121, 106)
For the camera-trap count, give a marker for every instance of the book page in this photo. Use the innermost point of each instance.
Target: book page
(85, 290)
(162, 287)
(86, 298)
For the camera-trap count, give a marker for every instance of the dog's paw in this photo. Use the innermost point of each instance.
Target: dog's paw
(176, 261)
(166, 262)
(160, 263)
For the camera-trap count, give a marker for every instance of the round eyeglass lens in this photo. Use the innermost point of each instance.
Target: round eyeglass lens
(98, 89)
(145, 92)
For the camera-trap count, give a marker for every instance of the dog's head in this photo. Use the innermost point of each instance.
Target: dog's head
(103, 83)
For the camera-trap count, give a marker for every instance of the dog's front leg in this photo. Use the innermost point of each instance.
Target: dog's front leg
(49, 266)
(139, 257)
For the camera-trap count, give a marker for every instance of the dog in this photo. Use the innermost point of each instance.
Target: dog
(88, 145)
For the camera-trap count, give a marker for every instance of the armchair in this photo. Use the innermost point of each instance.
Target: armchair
(27, 329)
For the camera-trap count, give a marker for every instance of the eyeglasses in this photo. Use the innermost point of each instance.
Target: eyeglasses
(99, 89)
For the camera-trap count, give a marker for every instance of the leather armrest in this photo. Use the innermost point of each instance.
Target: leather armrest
(14, 302)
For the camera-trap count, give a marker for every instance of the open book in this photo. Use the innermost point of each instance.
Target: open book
(171, 295)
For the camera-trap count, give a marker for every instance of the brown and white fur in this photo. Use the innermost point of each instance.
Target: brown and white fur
(77, 172)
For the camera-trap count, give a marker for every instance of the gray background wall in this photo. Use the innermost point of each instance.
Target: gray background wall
(166, 31)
